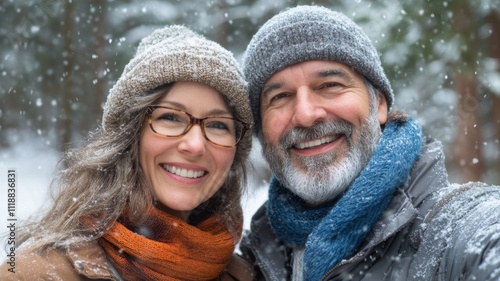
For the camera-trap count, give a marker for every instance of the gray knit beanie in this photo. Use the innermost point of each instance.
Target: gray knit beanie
(309, 33)
(175, 53)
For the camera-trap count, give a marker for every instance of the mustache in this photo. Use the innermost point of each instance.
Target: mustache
(316, 131)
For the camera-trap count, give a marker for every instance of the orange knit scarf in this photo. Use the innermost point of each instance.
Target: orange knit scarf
(165, 247)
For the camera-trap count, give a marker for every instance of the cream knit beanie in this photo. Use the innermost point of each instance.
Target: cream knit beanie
(171, 54)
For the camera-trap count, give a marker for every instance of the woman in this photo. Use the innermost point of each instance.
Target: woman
(155, 193)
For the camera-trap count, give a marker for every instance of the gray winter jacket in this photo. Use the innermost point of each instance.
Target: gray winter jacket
(431, 231)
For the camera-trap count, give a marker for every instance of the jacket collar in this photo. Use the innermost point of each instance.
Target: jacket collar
(398, 214)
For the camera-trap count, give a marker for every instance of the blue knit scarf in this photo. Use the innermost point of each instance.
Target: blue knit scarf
(332, 232)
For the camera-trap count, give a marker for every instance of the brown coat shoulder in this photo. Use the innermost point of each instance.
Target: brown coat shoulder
(86, 263)
(80, 263)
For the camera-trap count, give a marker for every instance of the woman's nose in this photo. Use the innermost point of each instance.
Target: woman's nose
(193, 142)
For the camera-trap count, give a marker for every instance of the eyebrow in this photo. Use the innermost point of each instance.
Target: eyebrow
(270, 88)
(212, 112)
(334, 72)
(321, 74)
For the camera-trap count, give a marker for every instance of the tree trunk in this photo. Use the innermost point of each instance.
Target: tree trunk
(64, 121)
(468, 150)
(223, 29)
(494, 44)
(100, 65)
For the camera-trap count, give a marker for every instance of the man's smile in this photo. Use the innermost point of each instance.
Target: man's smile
(316, 142)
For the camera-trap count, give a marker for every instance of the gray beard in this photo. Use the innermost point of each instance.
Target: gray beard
(322, 178)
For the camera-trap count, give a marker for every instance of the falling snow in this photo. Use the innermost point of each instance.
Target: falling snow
(419, 47)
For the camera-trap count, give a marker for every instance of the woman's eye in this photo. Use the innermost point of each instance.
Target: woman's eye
(218, 125)
(169, 117)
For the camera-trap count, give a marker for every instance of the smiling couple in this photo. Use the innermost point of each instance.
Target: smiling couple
(357, 192)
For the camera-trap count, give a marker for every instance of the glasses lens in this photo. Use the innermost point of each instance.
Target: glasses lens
(222, 130)
(169, 122)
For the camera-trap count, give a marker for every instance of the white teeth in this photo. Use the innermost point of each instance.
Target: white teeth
(184, 172)
(317, 142)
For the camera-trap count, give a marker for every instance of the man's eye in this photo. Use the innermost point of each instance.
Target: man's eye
(278, 97)
(330, 85)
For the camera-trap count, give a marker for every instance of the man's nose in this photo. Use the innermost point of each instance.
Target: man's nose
(308, 108)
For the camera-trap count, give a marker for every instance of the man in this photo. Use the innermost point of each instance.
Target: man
(358, 193)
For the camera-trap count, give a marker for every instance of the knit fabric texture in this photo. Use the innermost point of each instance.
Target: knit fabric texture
(309, 33)
(171, 54)
(165, 247)
(332, 232)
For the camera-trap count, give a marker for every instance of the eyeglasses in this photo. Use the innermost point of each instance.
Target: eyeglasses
(171, 122)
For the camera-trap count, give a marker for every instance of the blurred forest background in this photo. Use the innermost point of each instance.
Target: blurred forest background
(58, 59)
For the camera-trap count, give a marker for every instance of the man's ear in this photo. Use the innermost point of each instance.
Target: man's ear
(382, 111)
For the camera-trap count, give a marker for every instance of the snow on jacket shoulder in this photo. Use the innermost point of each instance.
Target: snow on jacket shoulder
(83, 263)
(461, 236)
(422, 235)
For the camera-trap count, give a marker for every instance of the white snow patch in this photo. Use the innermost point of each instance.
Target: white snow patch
(34, 164)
